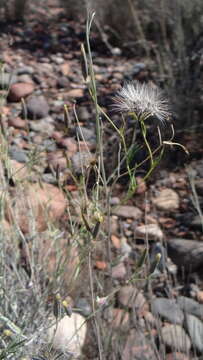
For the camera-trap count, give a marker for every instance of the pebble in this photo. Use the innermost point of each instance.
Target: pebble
(131, 297)
(175, 337)
(25, 70)
(37, 107)
(86, 134)
(83, 307)
(81, 160)
(195, 330)
(119, 271)
(19, 91)
(149, 231)
(167, 309)
(69, 335)
(127, 211)
(177, 356)
(57, 160)
(190, 306)
(6, 80)
(17, 122)
(187, 253)
(42, 126)
(167, 200)
(120, 318)
(18, 154)
(138, 347)
(75, 93)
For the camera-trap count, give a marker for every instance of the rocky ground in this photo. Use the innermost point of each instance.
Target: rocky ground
(162, 319)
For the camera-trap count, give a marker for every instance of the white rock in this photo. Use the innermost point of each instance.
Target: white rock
(69, 334)
(149, 231)
(167, 200)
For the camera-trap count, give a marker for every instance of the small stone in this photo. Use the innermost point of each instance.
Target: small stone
(83, 307)
(187, 253)
(75, 93)
(19, 172)
(126, 211)
(167, 309)
(81, 160)
(57, 160)
(65, 68)
(37, 107)
(195, 330)
(175, 337)
(18, 154)
(149, 231)
(70, 144)
(17, 123)
(131, 297)
(83, 113)
(197, 223)
(200, 296)
(141, 185)
(118, 271)
(43, 126)
(86, 134)
(19, 91)
(25, 79)
(25, 70)
(68, 335)
(199, 186)
(190, 306)
(62, 82)
(167, 200)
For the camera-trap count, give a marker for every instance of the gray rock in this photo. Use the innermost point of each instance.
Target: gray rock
(175, 337)
(195, 330)
(129, 296)
(28, 70)
(187, 253)
(86, 134)
(199, 186)
(83, 307)
(167, 200)
(37, 107)
(190, 306)
(127, 211)
(138, 347)
(18, 154)
(149, 231)
(167, 309)
(42, 126)
(81, 161)
(197, 223)
(83, 113)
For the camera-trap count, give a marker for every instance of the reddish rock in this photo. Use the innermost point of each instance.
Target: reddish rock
(35, 205)
(75, 93)
(138, 347)
(70, 144)
(17, 123)
(131, 297)
(118, 271)
(19, 171)
(57, 160)
(21, 90)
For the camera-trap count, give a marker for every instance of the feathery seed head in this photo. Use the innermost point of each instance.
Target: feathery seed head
(142, 99)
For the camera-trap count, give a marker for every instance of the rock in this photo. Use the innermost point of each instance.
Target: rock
(17, 122)
(62, 82)
(25, 70)
(37, 107)
(75, 93)
(195, 330)
(35, 205)
(119, 271)
(149, 231)
(83, 114)
(167, 309)
(43, 126)
(18, 154)
(200, 296)
(167, 200)
(20, 90)
(175, 337)
(25, 79)
(65, 68)
(83, 307)
(131, 297)
(57, 160)
(187, 253)
(86, 134)
(190, 306)
(127, 211)
(69, 334)
(81, 160)
(6, 80)
(138, 347)
(70, 144)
